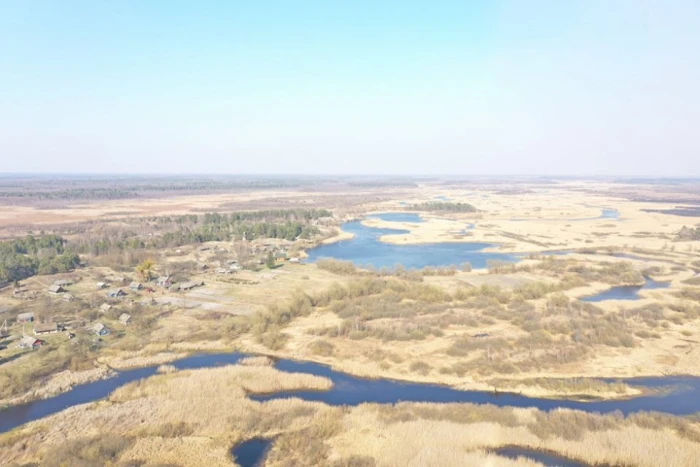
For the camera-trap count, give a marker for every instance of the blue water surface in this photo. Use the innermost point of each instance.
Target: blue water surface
(251, 453)
(625, 292)
(682, 396)
(546, 458)
(365, 248)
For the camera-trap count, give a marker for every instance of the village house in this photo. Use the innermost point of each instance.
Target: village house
(116, 293)
(222, 271)
(281, 256)
(68, 297)
(29, 342)
(164, 281)
(101, 285)
(45, 328)
(136, 286)
(191, 285)
(25, 317)
(125, 318)
(56, 289)
(100, 329)
(105, 307)
(63, 282)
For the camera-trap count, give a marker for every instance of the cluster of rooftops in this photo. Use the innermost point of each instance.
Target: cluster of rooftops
(59, 288)
(40, 329)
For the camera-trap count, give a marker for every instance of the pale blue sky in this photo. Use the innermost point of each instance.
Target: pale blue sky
(586, 87)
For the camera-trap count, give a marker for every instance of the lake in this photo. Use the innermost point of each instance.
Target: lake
(365, 248)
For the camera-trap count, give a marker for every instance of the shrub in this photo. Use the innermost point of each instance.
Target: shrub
(321, 347)
(354, 461)
(420, 368)
(336, 266)
(87, 452)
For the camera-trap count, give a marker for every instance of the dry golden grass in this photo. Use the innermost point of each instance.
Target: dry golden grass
(57, 383)
(211, 402)
(258, 360)
(139, 359)
(415, 441)
(184, 418)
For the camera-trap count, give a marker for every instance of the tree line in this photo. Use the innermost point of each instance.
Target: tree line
(174, 231)
(28, 256)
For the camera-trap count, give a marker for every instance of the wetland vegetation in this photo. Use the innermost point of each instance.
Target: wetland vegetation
(512, 328)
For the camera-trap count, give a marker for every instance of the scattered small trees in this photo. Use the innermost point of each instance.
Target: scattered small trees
(270, 261)
(146, 270)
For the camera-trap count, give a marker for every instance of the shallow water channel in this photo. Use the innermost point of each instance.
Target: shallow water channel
(546, 458)
(681, 395)
(625, 292)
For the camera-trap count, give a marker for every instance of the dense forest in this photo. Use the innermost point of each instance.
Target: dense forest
(442, 206)
(50, 254)
(174, 231)
(26, 257)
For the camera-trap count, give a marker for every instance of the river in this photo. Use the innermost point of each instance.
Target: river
(680, 397)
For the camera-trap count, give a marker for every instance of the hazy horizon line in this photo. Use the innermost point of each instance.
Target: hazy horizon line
(346, 175)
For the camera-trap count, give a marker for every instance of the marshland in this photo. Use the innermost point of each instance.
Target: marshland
(287, 324)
